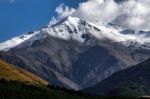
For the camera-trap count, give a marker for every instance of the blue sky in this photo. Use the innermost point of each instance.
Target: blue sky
(20, 16)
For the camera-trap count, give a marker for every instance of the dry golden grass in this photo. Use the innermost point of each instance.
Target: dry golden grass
(11, 72)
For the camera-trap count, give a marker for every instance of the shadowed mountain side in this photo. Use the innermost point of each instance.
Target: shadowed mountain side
(134, 81)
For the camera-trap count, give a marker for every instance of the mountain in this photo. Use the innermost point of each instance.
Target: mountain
(13, 73)
(76, 54)
(134, 81)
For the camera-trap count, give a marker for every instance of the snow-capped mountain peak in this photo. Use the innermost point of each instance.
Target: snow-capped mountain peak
(72, 28)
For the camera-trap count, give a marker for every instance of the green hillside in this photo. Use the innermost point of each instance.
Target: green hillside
(17, 90)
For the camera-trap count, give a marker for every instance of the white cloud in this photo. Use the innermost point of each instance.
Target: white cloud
(62, 12)
(134, 14)
(53, 21)
(97, 10)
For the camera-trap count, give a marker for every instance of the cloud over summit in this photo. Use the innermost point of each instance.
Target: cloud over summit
(133, 14)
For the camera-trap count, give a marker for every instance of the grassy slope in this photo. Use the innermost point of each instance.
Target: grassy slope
(10, 72)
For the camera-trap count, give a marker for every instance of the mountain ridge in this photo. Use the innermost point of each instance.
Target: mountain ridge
(118, 34)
